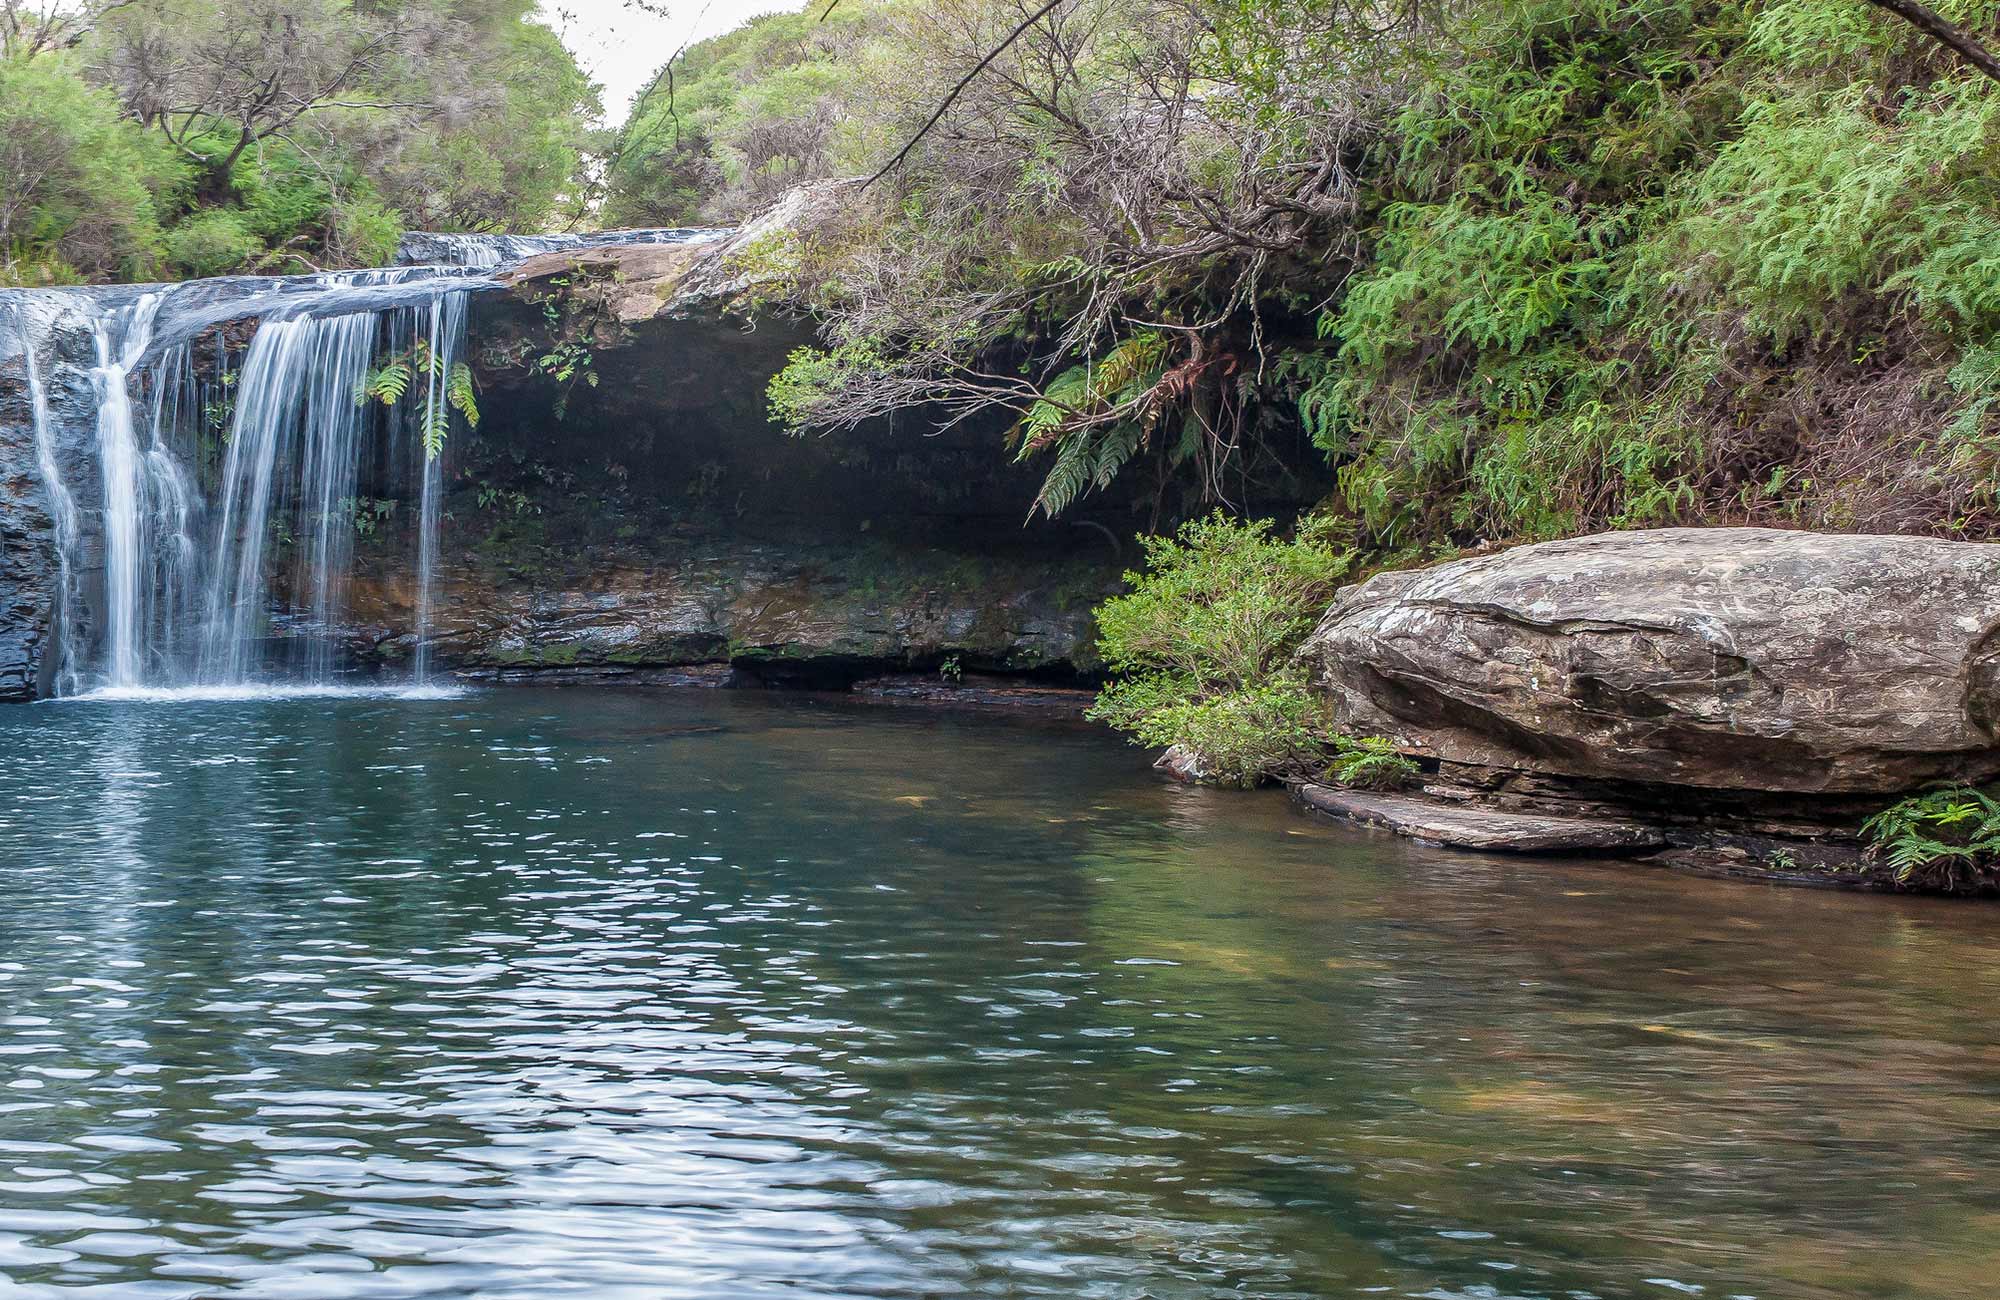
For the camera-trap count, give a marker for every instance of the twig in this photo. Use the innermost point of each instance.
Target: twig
(959, 89)
(1944, 32)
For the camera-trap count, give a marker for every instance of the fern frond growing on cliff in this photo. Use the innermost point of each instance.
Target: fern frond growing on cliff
(1947, 840)
(387, 384)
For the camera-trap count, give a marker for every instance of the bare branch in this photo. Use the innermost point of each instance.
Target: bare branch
(944, 106)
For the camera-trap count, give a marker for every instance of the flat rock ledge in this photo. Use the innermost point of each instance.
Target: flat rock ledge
(1481, 829)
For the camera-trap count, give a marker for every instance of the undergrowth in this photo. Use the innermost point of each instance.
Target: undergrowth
(1205, 653)
(1946, 841)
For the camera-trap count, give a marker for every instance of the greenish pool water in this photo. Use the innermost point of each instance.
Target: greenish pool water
(710, 995)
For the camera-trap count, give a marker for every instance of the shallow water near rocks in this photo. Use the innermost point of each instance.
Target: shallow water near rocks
(709, 995)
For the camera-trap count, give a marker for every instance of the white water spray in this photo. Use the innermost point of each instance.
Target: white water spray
(121, 341)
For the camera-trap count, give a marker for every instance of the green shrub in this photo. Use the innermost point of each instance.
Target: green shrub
(1945, 840)
(1242, 735)
(78, 187)
(1223, 604)
(211, 243)
(368, 230)
(1207, 643)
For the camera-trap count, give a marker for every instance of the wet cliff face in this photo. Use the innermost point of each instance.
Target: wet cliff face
(655, 519)
(27, 550)
(32, 581)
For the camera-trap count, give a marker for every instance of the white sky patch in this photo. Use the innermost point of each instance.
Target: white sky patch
(621, 46)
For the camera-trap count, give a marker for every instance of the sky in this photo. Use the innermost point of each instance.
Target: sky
(621, 45)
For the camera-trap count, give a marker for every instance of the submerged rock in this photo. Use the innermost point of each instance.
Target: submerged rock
(1483, 829)
(1184, 764)
(1728, 658)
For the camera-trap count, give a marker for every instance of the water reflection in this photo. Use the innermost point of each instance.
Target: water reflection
(647, 995)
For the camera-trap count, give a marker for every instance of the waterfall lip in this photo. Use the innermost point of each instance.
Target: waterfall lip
(490, 252)
(188, 308)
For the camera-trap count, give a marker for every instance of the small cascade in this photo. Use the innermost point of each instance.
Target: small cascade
(120, 341)
(175, 500)
(62, 507)
(485, 252)
(298, 386)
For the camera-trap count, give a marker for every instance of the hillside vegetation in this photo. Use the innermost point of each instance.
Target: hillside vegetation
(1518, 268)
(169, 138)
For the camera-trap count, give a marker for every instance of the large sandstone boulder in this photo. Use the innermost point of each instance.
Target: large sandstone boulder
(1732, 658)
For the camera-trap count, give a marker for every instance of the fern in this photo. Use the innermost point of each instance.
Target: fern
(1097, 416)
(1370, 763)
(1946, 840)
(462, 394)
(386, 385)
(435, 425)
(391, 382)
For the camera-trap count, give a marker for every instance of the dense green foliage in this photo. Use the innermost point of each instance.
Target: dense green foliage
(1641, 262)
(77, 182)
(193, 137)
(1945, 840)
(1205, 646)
(727, 126)
(1517, 268)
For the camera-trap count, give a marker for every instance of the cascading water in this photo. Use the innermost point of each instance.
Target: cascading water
(220, 462)
(484, 252)
(185, 600)
(120, 342)
(62, 508)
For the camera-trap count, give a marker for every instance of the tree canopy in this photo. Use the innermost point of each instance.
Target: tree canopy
(192, 137)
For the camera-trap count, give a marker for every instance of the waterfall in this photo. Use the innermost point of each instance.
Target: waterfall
(62, 508)
(170, 604)
(299, 379)
(285, 430)
(120, 341)
(235, 450)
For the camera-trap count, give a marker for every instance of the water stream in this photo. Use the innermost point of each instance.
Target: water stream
(62, 510)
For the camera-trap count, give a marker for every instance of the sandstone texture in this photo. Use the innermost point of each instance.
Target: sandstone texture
(1481, 828)
(1725, 658)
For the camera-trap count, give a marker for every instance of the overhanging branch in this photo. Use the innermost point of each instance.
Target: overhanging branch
(1945, 33)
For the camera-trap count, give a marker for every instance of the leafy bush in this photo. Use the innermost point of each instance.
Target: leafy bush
(78, 188)
(1223, 605)
(1945, 840)
(210, 243)
(1207, 641)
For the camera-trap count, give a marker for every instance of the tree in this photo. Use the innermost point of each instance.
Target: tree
(216, 78)
(76, 180)
(32, 27)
